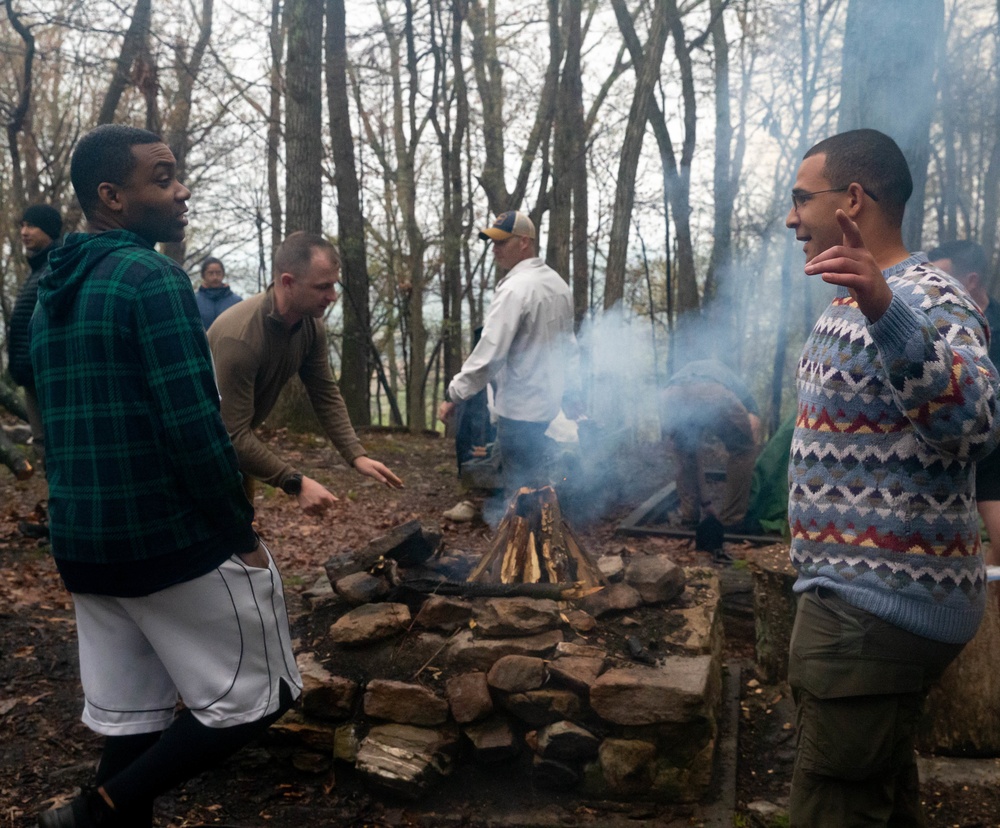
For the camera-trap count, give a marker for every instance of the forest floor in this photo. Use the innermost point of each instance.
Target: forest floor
(47, 753)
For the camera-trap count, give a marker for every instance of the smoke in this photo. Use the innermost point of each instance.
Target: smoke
(616, 456)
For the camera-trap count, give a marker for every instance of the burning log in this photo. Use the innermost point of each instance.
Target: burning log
(535, 545)
(465, 589)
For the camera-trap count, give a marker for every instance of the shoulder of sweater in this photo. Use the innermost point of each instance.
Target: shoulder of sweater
(236, 321)
(924, 285)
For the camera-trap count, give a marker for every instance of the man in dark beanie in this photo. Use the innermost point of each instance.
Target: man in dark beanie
(41, 227)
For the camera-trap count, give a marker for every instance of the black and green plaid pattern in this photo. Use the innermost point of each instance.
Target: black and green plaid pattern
(138, 460)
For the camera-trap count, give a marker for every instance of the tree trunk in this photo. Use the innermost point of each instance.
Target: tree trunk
(774, 606)
(880, 91)
(560, 199)
(303, 112)
(177, 133)
(356, 350)
(277, 39)
(406, 131)
(577, 149)
(132, 46)
(960, 717)
(719, 293)
(489, 81)
(452, 139)
(20, 113)
(647, 75)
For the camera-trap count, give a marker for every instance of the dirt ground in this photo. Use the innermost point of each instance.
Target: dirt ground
(46, 752)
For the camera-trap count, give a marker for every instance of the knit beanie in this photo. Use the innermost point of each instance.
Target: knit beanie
(45, 218)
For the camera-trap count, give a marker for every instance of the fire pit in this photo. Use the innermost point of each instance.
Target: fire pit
(534, 660)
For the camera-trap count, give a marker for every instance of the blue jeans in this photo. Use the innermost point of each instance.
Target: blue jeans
(524, 454)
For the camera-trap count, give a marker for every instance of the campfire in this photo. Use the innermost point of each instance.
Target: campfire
(535, 545)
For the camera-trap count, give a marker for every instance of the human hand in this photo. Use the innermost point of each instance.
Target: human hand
(377, 471)
(445, 411)
(258, 558)
(314, 498)
(851, 265)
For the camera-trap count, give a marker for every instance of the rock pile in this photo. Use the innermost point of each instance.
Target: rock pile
(614, 695)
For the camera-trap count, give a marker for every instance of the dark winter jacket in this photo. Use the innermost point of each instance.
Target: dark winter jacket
(18, 345)
(213, 301)
(144, 486)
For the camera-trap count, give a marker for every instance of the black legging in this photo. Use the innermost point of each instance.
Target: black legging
(134, 770)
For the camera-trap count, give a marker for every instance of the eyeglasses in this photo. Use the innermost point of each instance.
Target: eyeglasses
(801, 197)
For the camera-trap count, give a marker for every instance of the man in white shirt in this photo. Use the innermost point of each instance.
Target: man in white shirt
(527, 347)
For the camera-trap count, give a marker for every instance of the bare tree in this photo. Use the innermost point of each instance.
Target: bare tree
(451, 124)
(304, 116)
(355, 365)
(276, 41)
(134, 46)
(647, 65)
(16, 121)
(177, 129)
(489, 82)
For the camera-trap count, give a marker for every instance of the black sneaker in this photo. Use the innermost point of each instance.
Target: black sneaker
(88, 810)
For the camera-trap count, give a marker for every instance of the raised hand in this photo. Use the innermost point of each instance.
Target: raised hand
(851, 264)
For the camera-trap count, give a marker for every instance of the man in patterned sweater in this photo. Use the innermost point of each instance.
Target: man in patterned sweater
(151, 532)
(897, 401)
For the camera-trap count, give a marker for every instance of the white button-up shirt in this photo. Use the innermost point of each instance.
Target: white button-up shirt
(527, 346)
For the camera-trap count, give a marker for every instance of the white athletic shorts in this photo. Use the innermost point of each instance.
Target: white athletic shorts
(219, 642)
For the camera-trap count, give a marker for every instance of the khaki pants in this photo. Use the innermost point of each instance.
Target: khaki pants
(693, 412)
(859, 685)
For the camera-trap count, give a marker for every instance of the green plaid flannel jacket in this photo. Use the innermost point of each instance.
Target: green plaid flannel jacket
(144, 485)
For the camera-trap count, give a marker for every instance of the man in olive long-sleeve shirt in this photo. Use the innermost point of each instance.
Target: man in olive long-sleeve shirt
(259, 344)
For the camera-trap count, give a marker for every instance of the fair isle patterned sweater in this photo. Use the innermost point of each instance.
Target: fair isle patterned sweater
(891, 419)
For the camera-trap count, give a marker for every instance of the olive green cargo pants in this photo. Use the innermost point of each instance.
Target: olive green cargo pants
(859, 685)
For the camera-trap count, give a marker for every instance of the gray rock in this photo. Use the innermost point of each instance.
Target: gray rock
(615, 598)
(469, 697)
(404, 703)
(295, 727)
(468, 653)
(361, 588)
(320, 591)
(582, 622)
(701, 631)
(628, 765)
(501, 617)
(324, 695)
(545, 706)
(612, 567)
(656, 578)
(370, 622)
(441, 613)
(675, 691)
(309, 762)
(567, 742)
(492, 740)
(571, 648)
(406, 760)
(517, 674)
(554, 775)
(578, 674)
(346, 741)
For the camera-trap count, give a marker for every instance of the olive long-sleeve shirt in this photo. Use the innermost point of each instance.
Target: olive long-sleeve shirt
(255, 354)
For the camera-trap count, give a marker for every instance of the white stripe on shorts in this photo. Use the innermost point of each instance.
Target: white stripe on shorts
(220, 642)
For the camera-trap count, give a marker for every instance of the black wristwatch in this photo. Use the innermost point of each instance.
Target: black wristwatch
(292, 485)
